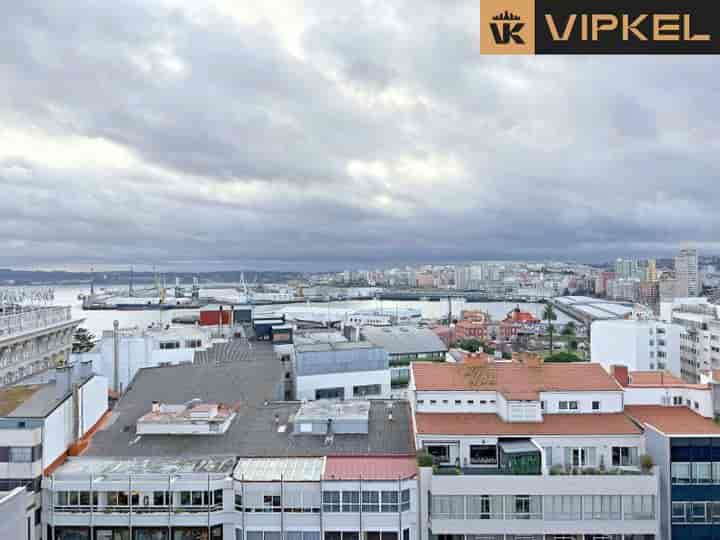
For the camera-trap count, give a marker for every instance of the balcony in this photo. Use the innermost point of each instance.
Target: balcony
(31, 319)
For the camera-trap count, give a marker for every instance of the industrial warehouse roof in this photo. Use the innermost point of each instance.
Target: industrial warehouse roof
(553, 424)
(515, 380)
(673, 420)
(262, 427)
(404, 339)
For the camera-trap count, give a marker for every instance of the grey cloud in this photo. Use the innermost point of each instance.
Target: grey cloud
(242, 151)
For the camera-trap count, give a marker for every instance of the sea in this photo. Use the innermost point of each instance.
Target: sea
(98, 321)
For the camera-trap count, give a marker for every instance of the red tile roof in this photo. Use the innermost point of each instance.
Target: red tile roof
(673, 420)
(513, 379)
(370, 467)
(552, 424)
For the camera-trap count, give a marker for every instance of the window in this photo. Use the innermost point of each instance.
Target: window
(680, 473)
(420, 401)
(563, 405)
(595, 405)
(483, 455)
(580, 457)
(458, 402)
(639, 507)
(697, 512)
(350, 501)
(563, 507)
(573, 405)
(677, 401)
(433, 402)
(624, 456)
(170, 345)
(331, 501)
(471, 402)
(370, 501)
(702, 473)
(20, 454)
(117, 498)
(238, 502)
(367, 390)
(218, 497)
(523, 507)
(697, 406)
(272, 503)
(542, 405)
(161, 498)
(678, 512)
(193, 343)
(389, 501)
(440, 453)
(601, 507)
(330, 393)
(484, 507)
(405, 500)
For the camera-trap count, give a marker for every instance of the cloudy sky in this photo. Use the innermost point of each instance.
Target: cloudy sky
(324, 134)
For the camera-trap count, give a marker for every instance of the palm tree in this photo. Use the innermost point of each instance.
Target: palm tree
(549, 316)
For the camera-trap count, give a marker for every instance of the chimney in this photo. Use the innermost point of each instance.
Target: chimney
(155, 407)
(621, 374)
(85, 370)
(534, 361)
(116, 357)
(63, 380)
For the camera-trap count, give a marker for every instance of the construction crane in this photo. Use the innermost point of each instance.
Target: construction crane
(159, 287)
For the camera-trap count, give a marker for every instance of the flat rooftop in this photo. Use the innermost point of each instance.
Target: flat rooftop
(101, 466)
(262, 426)
(335, 346)
(31, 400)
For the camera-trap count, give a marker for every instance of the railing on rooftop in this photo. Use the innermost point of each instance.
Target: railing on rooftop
(32, 318)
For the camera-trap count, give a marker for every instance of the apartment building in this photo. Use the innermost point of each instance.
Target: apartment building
(530, 450)
(340, 371)
(639, 344)
(40, 425)
(33, 339)
(699, 338)
(686, 272)
(271, 470)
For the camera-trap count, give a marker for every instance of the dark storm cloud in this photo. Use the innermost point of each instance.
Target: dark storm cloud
(139, 131)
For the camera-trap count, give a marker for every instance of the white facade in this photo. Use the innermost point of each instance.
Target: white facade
(17, 515)
(354, 385)
(686, 270)
(641, 345)
(143, 349)
(34, 340)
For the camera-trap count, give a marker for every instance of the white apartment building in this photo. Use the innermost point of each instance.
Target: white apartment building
(686, 272)
(639, 344)
(530, 450)
(33, 340)
(142, 348)
(40, 424)
(699, 337)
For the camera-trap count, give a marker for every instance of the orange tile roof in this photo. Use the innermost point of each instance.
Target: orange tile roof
(552, 424)
(513, 379)
(673, 420)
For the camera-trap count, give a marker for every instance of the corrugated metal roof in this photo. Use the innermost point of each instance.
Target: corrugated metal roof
(404, 340)
(276, 469)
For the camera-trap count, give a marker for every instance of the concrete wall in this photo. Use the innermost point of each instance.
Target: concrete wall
(305, 386)
(610, 402)
(16, 507)
(627, 343)
(664, 396)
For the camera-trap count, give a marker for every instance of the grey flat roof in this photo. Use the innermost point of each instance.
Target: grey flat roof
(102, 466)
(335, 346)
(35, 400)
(404, 340)
(259, 429)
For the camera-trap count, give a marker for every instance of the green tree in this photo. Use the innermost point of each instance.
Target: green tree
(550, 316)
(471, 345)
(83, 341)
(569, 329)
(563, 357)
